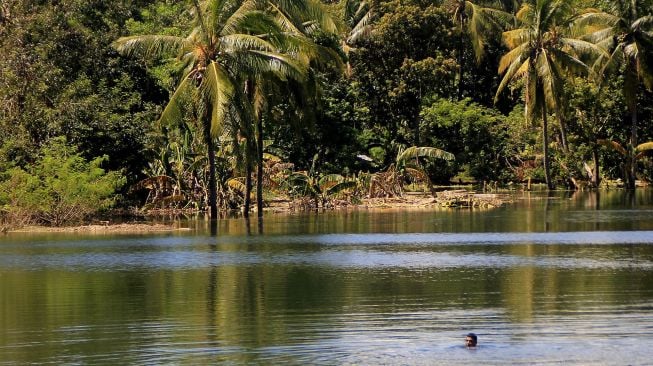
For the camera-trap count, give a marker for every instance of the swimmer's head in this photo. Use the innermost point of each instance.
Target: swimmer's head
(470, 340)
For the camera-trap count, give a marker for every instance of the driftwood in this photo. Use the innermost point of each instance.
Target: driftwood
(463, 198)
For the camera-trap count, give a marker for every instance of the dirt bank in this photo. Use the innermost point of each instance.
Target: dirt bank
(127, 228)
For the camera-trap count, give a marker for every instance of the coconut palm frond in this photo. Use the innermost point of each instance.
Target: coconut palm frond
(525, 13)
(583, 48)
(286, 24)
(569, 63)
(173, 112)
(310, 12)
(238, 20)
(518, 66)
(363, 28)
(549, 78)
(600, 37)
(216, 11)
(594, 17)
(481, 22)
(151, 46)
(242, 42)
(516, 37)
(283, 66)
(645, 22)
(514, 56)
(220, 89)
(328, 58)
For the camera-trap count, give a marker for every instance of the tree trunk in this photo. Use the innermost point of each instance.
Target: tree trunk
(248, 181)
(461, 61)
(545, 139)
(596, 180)
(563, 133)
(631, 168)
(259, 167)
(213, 186)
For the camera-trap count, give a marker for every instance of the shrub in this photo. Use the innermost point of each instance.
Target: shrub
(60, 188)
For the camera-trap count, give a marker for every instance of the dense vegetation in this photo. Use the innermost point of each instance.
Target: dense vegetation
(190, 104)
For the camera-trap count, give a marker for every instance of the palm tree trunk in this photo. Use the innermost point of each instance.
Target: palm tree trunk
(545, 139)
(259, 167)
(596, 180)
(563, 133)
(632, 163)
(248, 180)
(213, 186)
(461, 61)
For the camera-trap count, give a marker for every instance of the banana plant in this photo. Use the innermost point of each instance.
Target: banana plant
(320, 189)
(407, 166)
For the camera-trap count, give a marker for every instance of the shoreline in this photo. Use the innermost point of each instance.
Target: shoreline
(407, 202)
(124, 228)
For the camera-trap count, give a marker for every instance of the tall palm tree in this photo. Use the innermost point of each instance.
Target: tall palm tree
(229, 40)
(302, 19)
(477, 22)
(628, 37)
(541, 52)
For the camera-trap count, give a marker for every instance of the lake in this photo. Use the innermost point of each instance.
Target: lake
(559, 278)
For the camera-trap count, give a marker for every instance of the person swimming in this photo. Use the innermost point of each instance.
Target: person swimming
(471, 340)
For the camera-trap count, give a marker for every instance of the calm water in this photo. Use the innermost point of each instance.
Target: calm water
(563, 279)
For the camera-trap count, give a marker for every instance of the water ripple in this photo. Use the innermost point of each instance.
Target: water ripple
(329, 258)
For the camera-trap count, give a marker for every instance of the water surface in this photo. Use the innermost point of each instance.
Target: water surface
(551, 279)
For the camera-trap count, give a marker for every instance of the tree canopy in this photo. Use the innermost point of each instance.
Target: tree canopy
(208, 97)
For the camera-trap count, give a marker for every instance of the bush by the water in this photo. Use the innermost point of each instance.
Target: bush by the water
(60, 188)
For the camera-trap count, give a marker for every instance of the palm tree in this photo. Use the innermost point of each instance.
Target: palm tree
(541, 52)
(478, 23)
(302, 19)
(628, 37)
(229, 39)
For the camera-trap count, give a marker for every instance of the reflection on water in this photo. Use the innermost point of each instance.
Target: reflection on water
(563, 279)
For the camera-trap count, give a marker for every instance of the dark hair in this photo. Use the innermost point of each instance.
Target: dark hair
(473, 336)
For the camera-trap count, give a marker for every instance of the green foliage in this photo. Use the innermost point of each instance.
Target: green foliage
(59, 77)
(395, 73)
(60, 188)
(473, 133)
